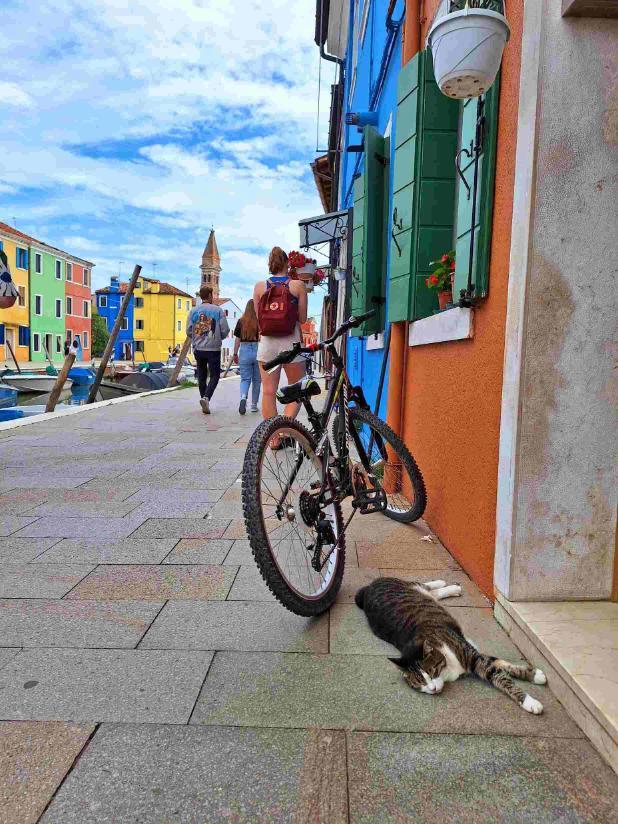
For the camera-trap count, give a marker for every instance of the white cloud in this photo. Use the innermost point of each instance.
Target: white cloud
(11, 94)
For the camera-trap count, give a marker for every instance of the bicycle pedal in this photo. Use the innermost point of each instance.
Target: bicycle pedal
(367, 501)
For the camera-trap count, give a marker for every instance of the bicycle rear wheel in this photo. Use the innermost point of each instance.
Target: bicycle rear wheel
(280, 503)
(389, 462)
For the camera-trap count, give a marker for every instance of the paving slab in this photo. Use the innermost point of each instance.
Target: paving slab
(240, 553)
(350, 633)
(227, 509)
(198, 551)
(52, 527)
(353, 579)
(88, 509)
(408, 556)
(9, 525)
(471, 595)
(154, 493)
(172, 509)
(63, 623)
(34, 759)
(206, 775)
(236, 529)
(236, 625)
(6, 654)
(360, 692)
(40, 580)
(130, 686)
(156, 583)
(401, 778)
(23, 550)
(182, 528)
(249, 585)
(103, 551)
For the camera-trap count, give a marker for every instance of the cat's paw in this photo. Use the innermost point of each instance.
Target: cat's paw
(539, 677)
(532, 705)
(455, 590)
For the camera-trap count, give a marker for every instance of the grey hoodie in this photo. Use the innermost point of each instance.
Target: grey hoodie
(207, 326)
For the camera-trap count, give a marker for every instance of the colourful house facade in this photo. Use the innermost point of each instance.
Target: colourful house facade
(48, 302)
(78, 320)
(15, 322)
(160, 316)
(108, 302)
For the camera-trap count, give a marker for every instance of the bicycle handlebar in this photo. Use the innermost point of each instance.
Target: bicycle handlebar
(288, 355)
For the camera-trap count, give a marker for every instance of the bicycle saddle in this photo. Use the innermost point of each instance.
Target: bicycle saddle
(296, 392)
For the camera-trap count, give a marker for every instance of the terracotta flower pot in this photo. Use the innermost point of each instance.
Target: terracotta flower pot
(444, 298)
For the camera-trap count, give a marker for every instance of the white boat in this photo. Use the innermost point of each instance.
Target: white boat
(33, 382)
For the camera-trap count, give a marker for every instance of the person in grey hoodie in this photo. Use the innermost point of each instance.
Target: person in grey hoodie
(207, 326)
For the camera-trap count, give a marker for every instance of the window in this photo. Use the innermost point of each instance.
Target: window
(226, 313)
(69, 306)
(139, 345)
(103, 301)
(139, 303)
(188, 302)
(125, 324)
(139, 324)
(69, 271)
(179, 326)
(58, 344)
(86, 277)
(21, 301)
(85, 339)
(22, 258)
(36, 342)
(38, 306)
(38, 263)
(138, 284)
(86, 309)
(23, 336)
(179, 303)
(69, 336)
(58, 307)
(1, 245)
(58, 270)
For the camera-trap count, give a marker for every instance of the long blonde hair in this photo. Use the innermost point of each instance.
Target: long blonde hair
(249, 323)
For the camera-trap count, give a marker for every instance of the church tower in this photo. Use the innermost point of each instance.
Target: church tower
(211, 265)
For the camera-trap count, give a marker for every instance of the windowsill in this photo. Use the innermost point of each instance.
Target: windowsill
(453, 324)
(375, 341)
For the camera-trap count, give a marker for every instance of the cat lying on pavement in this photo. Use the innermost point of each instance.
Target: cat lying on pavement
(433, 647)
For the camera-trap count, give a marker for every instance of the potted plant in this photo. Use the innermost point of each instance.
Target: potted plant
(305, 269)
(467, 39)
(441, 279)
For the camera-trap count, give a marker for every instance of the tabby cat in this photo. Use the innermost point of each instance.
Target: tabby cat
(433, 647)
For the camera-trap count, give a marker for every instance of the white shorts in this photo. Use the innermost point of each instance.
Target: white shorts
(269, 347)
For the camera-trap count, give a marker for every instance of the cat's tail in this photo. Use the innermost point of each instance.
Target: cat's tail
(359, 598)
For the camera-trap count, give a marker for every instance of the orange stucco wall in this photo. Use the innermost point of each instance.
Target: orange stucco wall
(451, 415)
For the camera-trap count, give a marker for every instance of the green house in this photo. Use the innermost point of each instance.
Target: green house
(47, 302)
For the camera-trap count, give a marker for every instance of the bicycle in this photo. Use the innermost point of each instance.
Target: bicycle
(295, 479)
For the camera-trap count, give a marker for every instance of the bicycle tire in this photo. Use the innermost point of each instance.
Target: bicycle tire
(257, 532)
(416, 511)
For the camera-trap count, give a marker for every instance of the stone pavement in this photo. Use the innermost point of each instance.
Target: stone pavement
(147, 674)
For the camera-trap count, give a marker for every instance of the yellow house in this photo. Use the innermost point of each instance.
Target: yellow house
(16, 320)
(159, 315)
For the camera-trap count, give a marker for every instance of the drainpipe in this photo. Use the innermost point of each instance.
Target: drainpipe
(323, 54)
(399, 331)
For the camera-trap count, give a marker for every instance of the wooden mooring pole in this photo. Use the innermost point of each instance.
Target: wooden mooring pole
(114, 334)
(60, 380)
(13, 356)
(181, 359)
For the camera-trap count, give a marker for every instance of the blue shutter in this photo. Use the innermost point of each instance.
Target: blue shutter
(1, 333)
(24, 335)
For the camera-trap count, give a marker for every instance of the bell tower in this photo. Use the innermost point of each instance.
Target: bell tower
(211, 265)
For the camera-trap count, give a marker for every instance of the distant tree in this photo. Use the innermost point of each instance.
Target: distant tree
(100, 335)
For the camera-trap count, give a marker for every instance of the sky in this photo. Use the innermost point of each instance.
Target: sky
(129, 129)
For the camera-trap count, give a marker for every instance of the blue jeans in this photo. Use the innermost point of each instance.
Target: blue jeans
(249, 372)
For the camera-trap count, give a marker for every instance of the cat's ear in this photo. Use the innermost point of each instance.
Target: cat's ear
(399, 662)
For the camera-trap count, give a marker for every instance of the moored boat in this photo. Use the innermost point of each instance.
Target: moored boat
(33, 382)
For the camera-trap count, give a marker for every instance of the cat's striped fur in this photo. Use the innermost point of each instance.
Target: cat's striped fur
(433, 647)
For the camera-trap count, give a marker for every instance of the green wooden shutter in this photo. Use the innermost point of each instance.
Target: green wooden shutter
(403, 246)
(485, 196)
(424, 187)
(368, 233)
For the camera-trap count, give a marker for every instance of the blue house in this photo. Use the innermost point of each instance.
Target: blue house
(108, 306)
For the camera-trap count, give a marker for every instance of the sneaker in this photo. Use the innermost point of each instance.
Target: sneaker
(204, 403)
(243, 406)
(254, 409)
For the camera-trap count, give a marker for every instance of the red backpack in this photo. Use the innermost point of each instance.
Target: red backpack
(277, 310)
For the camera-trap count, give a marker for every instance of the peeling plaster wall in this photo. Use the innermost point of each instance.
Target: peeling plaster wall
(557, 490)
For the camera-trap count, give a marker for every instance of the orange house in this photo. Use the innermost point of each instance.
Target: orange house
(78, 316)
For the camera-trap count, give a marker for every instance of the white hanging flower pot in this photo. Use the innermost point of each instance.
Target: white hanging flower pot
(466, 47)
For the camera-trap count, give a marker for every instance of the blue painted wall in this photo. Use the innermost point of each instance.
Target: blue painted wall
(110, 313)
(378, 62)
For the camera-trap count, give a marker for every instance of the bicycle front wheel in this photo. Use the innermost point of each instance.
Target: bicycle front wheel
(298, 544)
(390, 465)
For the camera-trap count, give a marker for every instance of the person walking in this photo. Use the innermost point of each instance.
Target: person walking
(208, 327)
(246, 337)
(281, 307)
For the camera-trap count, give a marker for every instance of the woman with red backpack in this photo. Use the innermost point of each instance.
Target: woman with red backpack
(281, 308)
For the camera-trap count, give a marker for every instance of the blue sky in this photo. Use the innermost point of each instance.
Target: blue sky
(128, 129)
